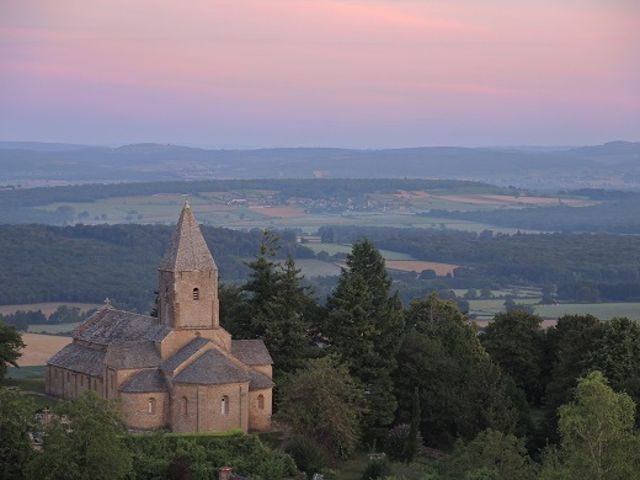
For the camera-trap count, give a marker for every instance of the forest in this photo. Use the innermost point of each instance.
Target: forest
(416, 384)
(89, 263)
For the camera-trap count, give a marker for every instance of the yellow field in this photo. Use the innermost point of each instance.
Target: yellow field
(441, 269)
(512, 201)
(278, 212)
(39, 348)
(46, 308)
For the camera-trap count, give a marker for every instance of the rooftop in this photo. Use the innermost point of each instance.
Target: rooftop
(188, 250)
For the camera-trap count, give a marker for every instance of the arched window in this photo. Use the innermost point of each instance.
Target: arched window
(151, 406)
(224, 405)
(196, 294)
(261, 402)
(185, 406)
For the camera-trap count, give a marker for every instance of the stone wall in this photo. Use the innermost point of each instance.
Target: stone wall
(144, 411)
(260, 409)
(204, 407)
(68, 384)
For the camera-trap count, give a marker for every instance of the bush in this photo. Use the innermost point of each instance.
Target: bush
(377, 470)
(155, 454)
(397, 442)
(309, 456)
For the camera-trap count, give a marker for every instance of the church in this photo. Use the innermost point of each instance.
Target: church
(181, 371)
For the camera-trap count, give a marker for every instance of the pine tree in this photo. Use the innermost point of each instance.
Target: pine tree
(288, 332)
(278, 308)
(364, 326)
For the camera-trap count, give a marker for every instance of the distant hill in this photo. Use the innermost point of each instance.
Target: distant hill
(612, 164)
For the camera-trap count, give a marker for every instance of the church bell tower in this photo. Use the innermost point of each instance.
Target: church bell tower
(188, 279)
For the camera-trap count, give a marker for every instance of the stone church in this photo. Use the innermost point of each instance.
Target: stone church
(181, 371)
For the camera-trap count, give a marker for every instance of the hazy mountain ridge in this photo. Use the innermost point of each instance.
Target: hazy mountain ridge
(612, 164)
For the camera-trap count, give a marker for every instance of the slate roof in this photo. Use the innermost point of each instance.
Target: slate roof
(258, 381)
(132, 355)
(182, 355)
(79, 359)
(251, 352)
(145, 381)
(188, 251)
(211, 368)
(109, 325)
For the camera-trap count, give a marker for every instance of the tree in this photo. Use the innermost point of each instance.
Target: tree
(288, 334)
(491, 455)
(571, 345)
(617, 355)
(364, 326)
(516, 342)
(324, 402)
(16, 420)
(598, 441)
(10, 345)
(272, 305)
(261, 288)
(462, 392)
(416, 418)
(88, 447)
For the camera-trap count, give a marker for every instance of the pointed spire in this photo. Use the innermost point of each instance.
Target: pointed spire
(188, 251)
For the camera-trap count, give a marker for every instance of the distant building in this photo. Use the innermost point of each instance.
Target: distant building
(181, 371)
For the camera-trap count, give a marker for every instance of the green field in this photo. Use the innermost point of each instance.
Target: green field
(46, 308)
(334, 248)
(222, 209)
(317, 268)
(484, 309)
(54, 329)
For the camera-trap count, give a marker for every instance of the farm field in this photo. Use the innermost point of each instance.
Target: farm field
(257, 209)
(55, 328)
(441, 269)
(317, 268)
(333, 248)
(485, 309)
(39, 348)
(46, 308)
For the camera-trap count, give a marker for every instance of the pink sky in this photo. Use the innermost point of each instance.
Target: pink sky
(247, 73)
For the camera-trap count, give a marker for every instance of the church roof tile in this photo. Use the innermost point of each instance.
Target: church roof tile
(251, 352)
(145, 381)
(188, 250)
(79, 358)
(212, 368)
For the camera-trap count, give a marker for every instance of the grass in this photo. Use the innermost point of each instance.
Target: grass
(46, 308)
(31, 381)
(603, 311)
(213, 209)
(333, 248)
(353, 468)
(484, 309)
(54, 329)
(317, 268)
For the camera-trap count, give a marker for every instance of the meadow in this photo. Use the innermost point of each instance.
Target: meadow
(257, 208)
(486, 309)
(46, 308)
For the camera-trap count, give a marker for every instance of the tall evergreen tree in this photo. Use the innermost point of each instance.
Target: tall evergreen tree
(274, 306)
(288, 333)
(364, 325)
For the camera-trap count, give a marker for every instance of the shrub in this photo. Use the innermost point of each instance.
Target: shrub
(154, 454)
(377, 470)
(397, 441)
(309, 456)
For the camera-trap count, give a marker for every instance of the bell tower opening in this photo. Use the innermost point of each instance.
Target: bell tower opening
(189, 278)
